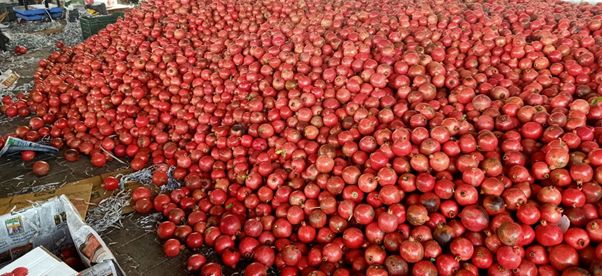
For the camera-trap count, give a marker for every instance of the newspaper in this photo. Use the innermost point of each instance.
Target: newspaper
(8, 79)
(107, 267)
(15, 145)
(55, 224)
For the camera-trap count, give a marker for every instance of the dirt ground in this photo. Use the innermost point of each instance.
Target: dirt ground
(137, 250)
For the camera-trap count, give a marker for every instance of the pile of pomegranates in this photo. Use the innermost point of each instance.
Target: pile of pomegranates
(351, 137)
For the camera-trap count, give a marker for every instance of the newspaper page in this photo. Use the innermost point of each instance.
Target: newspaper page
(55, 224)
(92, 249)
(43, 224)
(8, 79)
(107, 267)
(16, 145)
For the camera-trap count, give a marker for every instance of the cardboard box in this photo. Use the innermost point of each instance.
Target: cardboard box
(56, 225)
(55, 219)
(40, 262)
(83, 194)
(79, 193)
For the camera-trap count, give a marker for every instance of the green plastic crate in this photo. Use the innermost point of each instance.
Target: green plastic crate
(91, 25)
